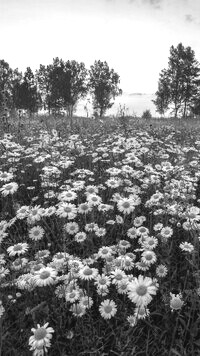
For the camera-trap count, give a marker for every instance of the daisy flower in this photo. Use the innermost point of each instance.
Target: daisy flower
(166, 232)
(36, 233)
(41, 254)
(113, 171)
(59, 257)
(67, 210)
(186, 246)
(149, 257)
(9, 188)
(108, 308)
(124, 244)
(140, 290)
(142, 266)
(138, 221)
(6, 176)
(3, 272)
(142, 230)
(122, 286)
(72, 296)
(128, 263)
(141, 312)
(102, 281)
(71, 228)
(91, 189)
(80, 236)
(132, 233)
(126, 205)
(161, 271)
(35, 267)
(84, 208)
(22, 212)
(176, 301)
(132, 319)
(49, 211)
(94, 199)
(104, 251)
(17, 249)
(87, 273)
(104, 207)
(78, 310)
(41, 337)
(100, 232)
(45, 276)
(2, 309)
(117, 276)
(67, 195)
(86, 302)
(119, 219)
(19, 263)
(35, 214)
(158, 227)
(150, 242)
(113, 182)
(91, 227)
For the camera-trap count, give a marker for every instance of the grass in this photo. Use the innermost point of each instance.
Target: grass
(136, 176)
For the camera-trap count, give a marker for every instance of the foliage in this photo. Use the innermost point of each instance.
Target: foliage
(146, 114)
(62, 84)
(104, 86)
(25, 92)
(5, 85)
(178, 85)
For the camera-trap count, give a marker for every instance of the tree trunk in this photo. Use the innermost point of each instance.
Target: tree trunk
(184, 111)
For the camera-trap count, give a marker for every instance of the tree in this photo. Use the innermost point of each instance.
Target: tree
(103, 85)
(26, 95)
(177, 85)
(5, 85)
(163, 94)
(62, 84)
(42, 76)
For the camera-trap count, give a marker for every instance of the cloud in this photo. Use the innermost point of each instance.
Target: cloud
(154, 3)
(189, 18)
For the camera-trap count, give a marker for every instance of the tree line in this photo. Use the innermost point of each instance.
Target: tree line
(58, 86)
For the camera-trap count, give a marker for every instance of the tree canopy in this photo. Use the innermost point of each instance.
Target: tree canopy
(178, 85)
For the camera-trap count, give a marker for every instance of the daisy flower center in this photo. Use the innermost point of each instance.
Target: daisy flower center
(44, 274)
(88, 272)
(141, 290)
(36, 232)
(34, 212)
(126, 205)
(149, 257)
(118, 277)
(17, 248)
(67, 209)
(107, 309)
(84, 207)
(102, 281)
(8, 187)
(40, 333)
(105, 251)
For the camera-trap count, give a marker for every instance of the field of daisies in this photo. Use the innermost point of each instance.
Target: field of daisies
(99, 239)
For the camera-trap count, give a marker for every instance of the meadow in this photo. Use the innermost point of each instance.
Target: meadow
(99, 237)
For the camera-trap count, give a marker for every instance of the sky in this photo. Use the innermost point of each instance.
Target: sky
(133, 36)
